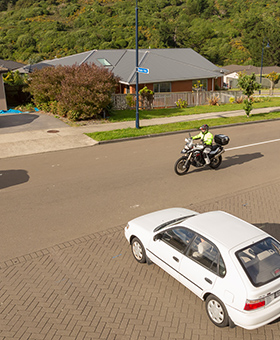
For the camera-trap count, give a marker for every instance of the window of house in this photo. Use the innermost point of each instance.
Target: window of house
(199, 84)
(104, 62)
(162, 87)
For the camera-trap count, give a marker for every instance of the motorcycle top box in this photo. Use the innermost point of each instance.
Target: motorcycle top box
(221, 139)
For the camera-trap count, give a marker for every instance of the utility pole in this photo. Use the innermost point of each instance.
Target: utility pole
(137, 79)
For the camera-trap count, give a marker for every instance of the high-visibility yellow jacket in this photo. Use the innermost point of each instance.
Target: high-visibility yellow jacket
(207, 137)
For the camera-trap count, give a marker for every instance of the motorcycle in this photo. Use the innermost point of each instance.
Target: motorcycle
(193, 154)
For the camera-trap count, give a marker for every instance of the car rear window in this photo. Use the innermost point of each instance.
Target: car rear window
(261, 261)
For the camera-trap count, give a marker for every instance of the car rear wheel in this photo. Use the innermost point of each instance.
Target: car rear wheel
(138, 250)
(216, 311)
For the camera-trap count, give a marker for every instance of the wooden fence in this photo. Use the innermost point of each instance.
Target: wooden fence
(169, 99)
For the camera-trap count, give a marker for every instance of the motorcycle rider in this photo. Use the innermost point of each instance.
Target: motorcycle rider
(207, 139)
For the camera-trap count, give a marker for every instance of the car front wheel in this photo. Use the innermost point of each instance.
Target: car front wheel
(138, 250)
(216, 311)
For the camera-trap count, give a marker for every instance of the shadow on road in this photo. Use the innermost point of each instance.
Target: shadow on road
(11, 120)
(9, 178)
(240, 159)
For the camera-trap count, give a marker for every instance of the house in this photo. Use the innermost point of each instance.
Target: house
(231, 75)
(10, 65)
(3, 102)
(5, 66)
(170, 70)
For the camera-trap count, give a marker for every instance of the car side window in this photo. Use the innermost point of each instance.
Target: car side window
(207, 254)
(179, 238)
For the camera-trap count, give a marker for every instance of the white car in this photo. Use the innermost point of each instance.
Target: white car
(230, 264)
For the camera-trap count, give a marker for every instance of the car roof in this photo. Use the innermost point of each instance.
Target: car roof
(219, 226)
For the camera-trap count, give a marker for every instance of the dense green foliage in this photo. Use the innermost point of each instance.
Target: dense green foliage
(75, 92)
(224, 31)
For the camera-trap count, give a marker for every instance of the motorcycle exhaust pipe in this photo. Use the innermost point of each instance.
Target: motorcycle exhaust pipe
(219, 154)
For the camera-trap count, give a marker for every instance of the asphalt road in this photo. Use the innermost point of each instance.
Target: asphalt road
(50, 198)
(66, 269)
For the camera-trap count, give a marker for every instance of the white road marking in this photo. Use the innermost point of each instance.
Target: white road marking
(248, 145)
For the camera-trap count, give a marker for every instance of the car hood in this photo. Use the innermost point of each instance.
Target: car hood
(151, 221)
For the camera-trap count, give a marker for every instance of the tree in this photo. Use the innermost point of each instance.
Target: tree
(274, 78)
(248, 85)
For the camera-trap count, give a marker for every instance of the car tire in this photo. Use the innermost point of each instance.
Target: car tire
(138, 250)
(216, 311)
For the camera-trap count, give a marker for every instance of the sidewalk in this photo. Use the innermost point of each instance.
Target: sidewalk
(28, 134)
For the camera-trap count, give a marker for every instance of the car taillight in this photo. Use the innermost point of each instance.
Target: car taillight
(254, 304)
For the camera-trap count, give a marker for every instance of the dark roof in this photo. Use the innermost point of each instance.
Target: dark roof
(163, 64)
(3, 69)
(10, 65)
(249, 69)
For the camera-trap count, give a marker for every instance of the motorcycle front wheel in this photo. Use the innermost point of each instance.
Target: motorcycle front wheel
(216, 162)
(181, 166)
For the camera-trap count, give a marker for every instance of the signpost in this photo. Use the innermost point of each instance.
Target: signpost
(136, 50)
(138, 69)
(143, 70)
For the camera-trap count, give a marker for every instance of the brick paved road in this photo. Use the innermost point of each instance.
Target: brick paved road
(92, 288)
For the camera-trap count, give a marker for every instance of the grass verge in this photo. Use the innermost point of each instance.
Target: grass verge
(165, 128)
(129, 115)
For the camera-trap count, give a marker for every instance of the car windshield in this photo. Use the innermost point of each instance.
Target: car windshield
(172, 222)
(261, 261)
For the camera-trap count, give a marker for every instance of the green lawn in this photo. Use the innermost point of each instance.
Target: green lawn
(126, 115)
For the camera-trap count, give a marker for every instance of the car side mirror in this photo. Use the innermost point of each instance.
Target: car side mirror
(158, 237)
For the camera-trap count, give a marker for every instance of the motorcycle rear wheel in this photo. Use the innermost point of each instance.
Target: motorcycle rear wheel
(181, 167)
(215, 162)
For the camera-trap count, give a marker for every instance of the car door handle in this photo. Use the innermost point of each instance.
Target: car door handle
(175, 258)
(208, 280)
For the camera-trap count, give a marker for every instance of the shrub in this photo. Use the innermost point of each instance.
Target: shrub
(147, 97)
(214, 100)
(239, 100)
(130, 100)
(181, 103)
(15, 78)
(261, 99)
(78, 92)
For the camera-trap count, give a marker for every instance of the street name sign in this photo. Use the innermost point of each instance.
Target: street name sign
(143, 70)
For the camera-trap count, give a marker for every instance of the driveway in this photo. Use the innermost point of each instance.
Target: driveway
(31, 133)
(13, 123)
